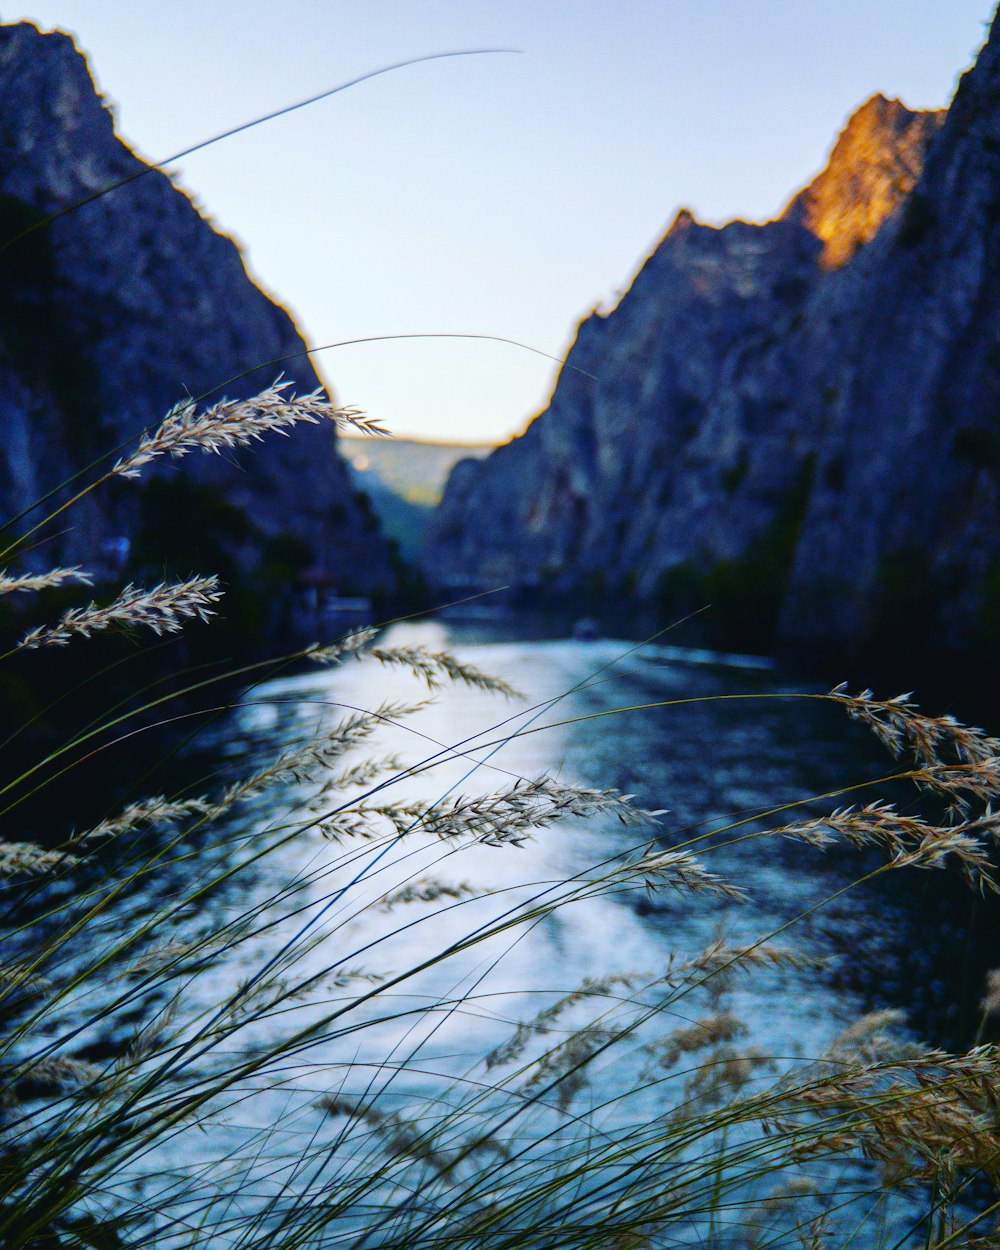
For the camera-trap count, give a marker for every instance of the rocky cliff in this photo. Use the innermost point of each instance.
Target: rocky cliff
(796, 422)
(111, 313)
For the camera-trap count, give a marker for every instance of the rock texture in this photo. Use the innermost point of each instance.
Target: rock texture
(113, 311)
(874, 165)
(795, 422)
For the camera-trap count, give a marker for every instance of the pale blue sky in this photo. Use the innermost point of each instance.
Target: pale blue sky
(503, 194)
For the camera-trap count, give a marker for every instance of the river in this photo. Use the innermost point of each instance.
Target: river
(700, 756)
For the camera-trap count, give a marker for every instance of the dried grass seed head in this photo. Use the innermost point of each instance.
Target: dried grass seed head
(236, 422)
(508, 817)
(678, 870)
(26, 859)
(145, 813)
(310, 760)
(14, 582)
(163, 609)
(990, 1003)
(589, 988)
(910, 841)
(428, 891)
(956, 760)
(713, 1030)
(900, 725)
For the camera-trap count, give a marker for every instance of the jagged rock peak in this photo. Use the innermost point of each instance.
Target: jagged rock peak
(684, 220)
(58, 113)
(874, 165)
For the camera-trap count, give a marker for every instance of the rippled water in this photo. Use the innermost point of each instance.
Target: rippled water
(712, 757)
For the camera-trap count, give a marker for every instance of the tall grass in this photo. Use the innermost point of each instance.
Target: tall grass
(231, 1014)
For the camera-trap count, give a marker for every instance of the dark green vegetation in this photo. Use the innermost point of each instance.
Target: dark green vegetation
(744, 594)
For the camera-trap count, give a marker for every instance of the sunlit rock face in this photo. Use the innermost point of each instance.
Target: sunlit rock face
(794, 422)
(874, 164)
(114, 311)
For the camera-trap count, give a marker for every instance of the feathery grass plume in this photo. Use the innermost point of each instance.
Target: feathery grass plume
(359, 776)
(900, 726)
(26, 859)
(724, 1073)
(16, 976)
(589, 988)
(302, 763)
(963, 783)
(161, 956)
(147, 1040)
(163, 609)
(427, 891)
(354, 643)
(990, 1004)
(923, 1117)
(255, 999)
(369, 822)
(436, 668)
(507, 817)
(51, 1074)
(398, 1136)
(910, 840)
(172, 953)
(794, 1187)
(677, 869)
(144, 813)
(958, 761)
(718, 960)
(504, 818)
(236, 422)
(344, 977)
(721, 1026)
(815, 1234)
(258, 999)
(11, 582)
(872, 1038)
(565, 1065)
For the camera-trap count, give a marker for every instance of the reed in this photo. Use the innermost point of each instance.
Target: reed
(277, 1086)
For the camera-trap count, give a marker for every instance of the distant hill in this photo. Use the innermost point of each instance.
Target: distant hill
(405, 479)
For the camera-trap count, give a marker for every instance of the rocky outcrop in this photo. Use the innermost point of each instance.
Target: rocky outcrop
(874, 165)
(900, 541)
(112, 310)
(794, 422)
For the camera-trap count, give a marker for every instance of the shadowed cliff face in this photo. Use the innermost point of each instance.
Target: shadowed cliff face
(794, 422)
(112, 313)
(900, 543)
